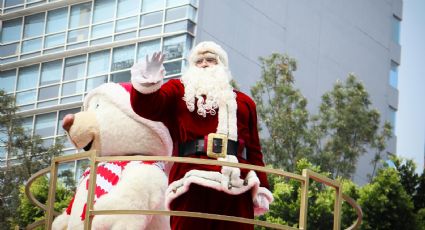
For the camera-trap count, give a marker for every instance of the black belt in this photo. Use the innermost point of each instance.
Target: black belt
(198, 147)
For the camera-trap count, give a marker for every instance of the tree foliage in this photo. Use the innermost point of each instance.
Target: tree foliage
(413, 184)
(285, 208)
(27, 154)
(346, 127)
(27, 213)
(408, 177)
(419, 197)
(282, 109)
(385, 203)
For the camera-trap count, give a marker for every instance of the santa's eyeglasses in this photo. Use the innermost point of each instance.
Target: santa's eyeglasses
(209, 60)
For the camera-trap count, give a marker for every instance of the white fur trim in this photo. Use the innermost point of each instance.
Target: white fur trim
(262, 200)
(208, 46)
(146, 88)
(120, 98)
(213, 180)
(227, 120)
(61, 222)
(228, 181)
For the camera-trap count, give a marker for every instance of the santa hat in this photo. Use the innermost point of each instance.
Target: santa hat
(119, 96)
(208, 47)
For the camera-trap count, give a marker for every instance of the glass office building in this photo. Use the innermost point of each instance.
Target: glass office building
(54, 52)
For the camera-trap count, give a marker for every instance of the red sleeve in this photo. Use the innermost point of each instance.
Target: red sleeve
(253, 147)
(158, 105)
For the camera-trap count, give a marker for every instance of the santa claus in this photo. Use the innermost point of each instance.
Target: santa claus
(207, 119)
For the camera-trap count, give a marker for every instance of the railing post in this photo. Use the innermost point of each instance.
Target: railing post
(337, 206)
(52, 192)
(304, 200)
(91, 190)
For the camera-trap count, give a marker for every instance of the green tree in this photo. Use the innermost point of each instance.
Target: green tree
(413, 184)
(419, 200)
(421, 219)
(29, 155)
(345, 127)
(282, 109)
(407, 170)
(385, 203)
(379, 144)
(27, 213)
(286, 206)
(419, 197)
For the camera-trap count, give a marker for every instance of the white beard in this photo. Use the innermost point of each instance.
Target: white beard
(213, 83)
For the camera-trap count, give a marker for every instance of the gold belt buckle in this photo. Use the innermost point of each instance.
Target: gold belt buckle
(217, 145)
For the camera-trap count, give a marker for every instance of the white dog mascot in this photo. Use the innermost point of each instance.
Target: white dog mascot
(109, 126)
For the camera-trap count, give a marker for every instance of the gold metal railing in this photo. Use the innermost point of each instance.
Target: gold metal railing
(94, 160)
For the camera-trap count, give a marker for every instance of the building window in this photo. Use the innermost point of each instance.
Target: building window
(51, 72)
(49, 92)
(147, 48)
(173, 67)
(396, 29)
(151, 19)
(393, 113)
(126, 24)
(80, 15)
(72, 88)
(57, 20)
(78, 35)
(152, 5)
(394, 75)
(34, 25)
(121, 77)
(11, 30)
(180, 13)
(92, 83)
(8, 3)
(174, 47)
(32, 45)
(45, 124)
(7, 80)
(54, 40)
(123, 57)
(102, 30)
(24, 98)
(103, 10)
(98, 62)
(127, 8)
(9, 49)
(74, 67)
(27, 124)
(82, 165)
(66, 167)
(185, 25)
(172, 3)
(28, 77)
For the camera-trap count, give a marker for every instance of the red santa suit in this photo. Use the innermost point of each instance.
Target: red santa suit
(196, 187)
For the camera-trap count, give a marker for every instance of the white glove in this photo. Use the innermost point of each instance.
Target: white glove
(262, 200)
(147, 76)
(231, 175)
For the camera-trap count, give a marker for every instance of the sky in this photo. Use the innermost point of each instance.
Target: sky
(410, 118)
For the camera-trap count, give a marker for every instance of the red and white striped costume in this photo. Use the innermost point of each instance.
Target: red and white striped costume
(107, 176)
